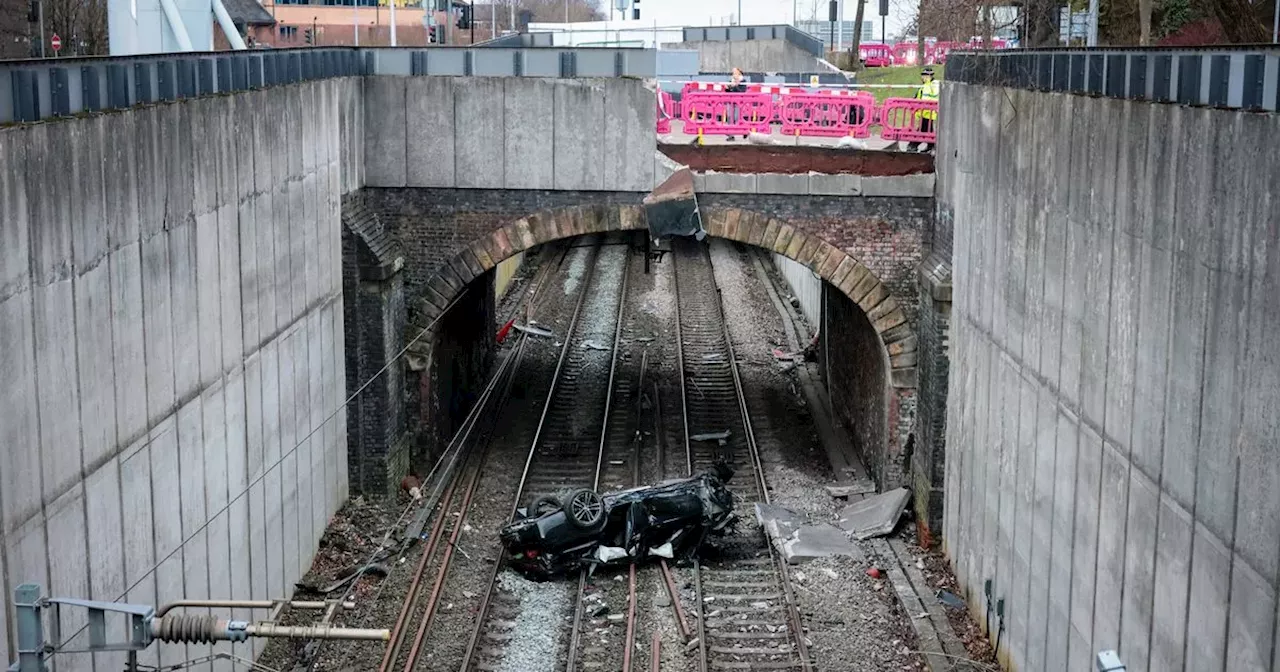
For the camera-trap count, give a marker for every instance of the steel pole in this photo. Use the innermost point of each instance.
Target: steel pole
(355, 22)
(1275, 25)
(42, 29)
(393, 22)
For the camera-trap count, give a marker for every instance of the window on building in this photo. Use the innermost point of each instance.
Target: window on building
(289, 33)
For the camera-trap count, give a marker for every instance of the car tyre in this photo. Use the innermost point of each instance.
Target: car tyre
(544, 505)
(585, 509)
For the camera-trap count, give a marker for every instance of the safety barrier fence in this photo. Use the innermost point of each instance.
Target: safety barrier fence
(707, 109)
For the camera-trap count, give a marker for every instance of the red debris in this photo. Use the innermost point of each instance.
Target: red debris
(506, 328)
(873, 572)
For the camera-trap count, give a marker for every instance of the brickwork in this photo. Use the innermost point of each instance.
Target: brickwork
(868, 248)
(928, 463)
(374, 310)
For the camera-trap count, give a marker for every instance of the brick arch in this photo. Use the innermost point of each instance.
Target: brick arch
(829, 262)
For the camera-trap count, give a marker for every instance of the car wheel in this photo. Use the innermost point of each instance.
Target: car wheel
(585, 509)
(544, 505)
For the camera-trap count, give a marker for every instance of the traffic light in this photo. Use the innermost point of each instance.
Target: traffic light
(635, 10)
(309, 36)
(431, 34)
(33, 11)
(464, 18)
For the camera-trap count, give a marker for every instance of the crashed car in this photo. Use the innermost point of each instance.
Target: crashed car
(584, 529)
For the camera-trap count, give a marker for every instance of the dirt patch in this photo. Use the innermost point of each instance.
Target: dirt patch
(796, 160)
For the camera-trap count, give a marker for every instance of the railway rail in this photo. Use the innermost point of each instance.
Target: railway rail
(745, 609)
(565, 451)
(450, 514)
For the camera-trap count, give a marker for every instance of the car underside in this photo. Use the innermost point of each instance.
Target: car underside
(584, 529)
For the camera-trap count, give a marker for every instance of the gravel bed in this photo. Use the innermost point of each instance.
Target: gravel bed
(540, 633)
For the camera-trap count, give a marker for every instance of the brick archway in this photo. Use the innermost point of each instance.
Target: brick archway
(829, 262)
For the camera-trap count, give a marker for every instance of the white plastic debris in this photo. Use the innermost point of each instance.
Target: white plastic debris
(609, 553)
(663, 551)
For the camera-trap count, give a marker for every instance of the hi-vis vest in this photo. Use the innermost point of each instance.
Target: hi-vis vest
(928, 91)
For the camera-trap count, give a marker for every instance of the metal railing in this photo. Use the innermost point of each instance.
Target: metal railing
(35, 89)
(1240, 77)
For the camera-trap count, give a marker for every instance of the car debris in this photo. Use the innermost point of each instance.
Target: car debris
(720, 437)
(584, 529)
(533, 330)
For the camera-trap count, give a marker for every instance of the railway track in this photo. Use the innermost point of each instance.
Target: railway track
(449, 517)
(565, 450)
(745, 610)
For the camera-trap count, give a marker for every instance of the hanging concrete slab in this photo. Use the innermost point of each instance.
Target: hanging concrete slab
(672, 208)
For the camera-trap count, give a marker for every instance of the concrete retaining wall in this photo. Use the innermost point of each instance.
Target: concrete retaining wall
(805, 285)
(754, 56)
(171, 314)
(1115, 388)
(509, 133)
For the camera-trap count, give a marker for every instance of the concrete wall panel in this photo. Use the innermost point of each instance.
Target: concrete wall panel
(57, 392)
(431, 131)
(15, 232)
(629, 119)
(1154, 264)
(528, 104)
(385, 152)
(20, 479)
(68, 561)
(481, 141)
(579, 114)
(186, 326)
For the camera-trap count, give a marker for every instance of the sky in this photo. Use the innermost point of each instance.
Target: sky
(759, 12)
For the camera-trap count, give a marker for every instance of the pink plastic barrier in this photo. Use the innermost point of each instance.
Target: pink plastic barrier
(876, 55)
(712, 113)
(830, 116)
(900, 119)
(666, 111)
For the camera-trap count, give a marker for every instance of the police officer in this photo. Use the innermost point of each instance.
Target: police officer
(928, 91)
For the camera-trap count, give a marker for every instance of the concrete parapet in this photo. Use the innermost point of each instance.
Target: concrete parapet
(509, 132)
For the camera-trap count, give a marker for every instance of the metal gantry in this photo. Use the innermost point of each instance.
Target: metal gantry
(147, 624)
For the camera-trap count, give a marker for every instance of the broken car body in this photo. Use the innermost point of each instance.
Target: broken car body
(584, 529)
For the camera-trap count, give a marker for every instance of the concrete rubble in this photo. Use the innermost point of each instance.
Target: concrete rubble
(874, 516)
(799, 540)
(864, 486)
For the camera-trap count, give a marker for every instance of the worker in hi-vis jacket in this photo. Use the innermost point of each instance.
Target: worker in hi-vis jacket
(928, 118)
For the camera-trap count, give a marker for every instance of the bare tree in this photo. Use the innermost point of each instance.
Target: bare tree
(82, 25)
(854, 62)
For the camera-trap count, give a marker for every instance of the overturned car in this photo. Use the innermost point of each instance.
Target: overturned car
(585, 529)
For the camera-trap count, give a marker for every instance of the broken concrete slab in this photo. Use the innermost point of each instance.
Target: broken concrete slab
(818, 540)
(719, 437)
(799, 540)
(874, 516)
(672, 208)
(864, 486)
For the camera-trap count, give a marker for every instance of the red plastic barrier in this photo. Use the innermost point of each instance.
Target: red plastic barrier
(900, 119)
(712, 113)
(830, 116)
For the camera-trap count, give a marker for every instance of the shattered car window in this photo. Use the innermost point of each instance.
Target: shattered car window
(582, 529)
